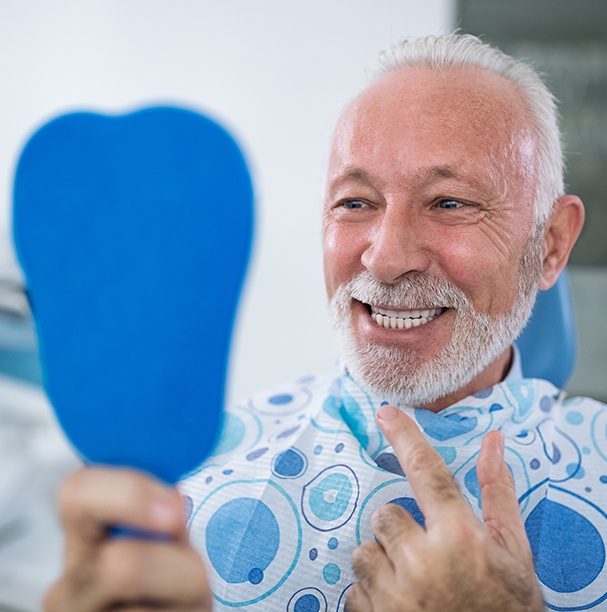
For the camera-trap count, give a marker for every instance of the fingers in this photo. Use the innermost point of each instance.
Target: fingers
(372, 567)
(93, 499)
(357, 600)
(137, 570)
(104, 572)
(132, 572)
(435, 489)
(501, 512)
(375, 564)
(395, 529)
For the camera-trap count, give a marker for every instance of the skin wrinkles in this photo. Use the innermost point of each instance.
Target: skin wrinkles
(354, 138)
(414, 138)
(430, 185)
(510, 118)
(450, 175)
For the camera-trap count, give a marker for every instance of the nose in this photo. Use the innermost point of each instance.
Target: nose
(396, 249)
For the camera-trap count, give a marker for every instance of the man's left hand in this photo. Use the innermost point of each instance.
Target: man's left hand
(455, 562)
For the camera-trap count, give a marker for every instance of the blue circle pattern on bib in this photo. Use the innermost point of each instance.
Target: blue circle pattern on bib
(305, 467)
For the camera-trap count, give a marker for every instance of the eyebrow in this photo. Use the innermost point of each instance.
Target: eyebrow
(424, 175)
(353, 173)
(446, 172)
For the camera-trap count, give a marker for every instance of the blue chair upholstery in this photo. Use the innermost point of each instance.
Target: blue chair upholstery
(548, 343)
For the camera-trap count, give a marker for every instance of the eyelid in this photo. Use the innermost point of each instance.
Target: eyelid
(467, 212)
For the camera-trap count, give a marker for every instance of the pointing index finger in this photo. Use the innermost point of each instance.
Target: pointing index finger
(435, 489)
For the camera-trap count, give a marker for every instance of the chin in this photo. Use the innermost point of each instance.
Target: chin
(399, 374)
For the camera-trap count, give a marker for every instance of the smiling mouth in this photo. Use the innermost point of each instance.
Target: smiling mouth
(403, 319)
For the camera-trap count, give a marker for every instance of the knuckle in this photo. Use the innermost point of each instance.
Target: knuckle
(387, 512)
(386, 517)
(363, 556)
(444, 485)
(467, 537)
(422, 458)
(395, 512)
(465, 540)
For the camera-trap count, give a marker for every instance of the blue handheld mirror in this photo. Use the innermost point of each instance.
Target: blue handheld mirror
(134, 234)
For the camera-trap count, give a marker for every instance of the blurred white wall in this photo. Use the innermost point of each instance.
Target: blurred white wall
(275, 72)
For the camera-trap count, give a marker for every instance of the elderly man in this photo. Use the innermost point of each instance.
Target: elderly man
(444, 214)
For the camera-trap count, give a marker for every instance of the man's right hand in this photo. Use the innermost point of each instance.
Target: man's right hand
(104, 572)
(454, 562)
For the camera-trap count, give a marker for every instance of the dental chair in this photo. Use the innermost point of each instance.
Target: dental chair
(548, 343)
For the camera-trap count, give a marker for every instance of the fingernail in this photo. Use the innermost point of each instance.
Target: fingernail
(387, 412)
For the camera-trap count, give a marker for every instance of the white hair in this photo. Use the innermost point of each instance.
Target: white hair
(465, 50)
(400, 376)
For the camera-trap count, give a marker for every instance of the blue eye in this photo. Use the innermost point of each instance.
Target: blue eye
(450, 204)
(354, 204)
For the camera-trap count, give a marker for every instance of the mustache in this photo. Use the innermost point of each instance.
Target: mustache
(410, 293)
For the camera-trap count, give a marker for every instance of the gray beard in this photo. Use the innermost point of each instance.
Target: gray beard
(397, 374)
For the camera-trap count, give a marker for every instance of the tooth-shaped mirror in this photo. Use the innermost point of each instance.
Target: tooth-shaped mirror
(134, 234)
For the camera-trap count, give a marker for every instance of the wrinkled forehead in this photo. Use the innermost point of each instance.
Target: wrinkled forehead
(415, 109)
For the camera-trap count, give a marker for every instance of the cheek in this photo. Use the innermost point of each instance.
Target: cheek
(488, 278)
(341, 256)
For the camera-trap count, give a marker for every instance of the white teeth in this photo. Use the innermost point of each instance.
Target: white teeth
(403, 319)
(404, 314)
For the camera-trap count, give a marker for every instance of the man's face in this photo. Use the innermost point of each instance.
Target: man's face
(427, 223)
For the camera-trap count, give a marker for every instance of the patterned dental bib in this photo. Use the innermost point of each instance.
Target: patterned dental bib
(288, 495)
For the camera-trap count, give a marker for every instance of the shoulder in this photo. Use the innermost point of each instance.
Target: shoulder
(580, 423)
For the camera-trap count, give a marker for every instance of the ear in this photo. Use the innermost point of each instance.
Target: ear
(562, 231)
